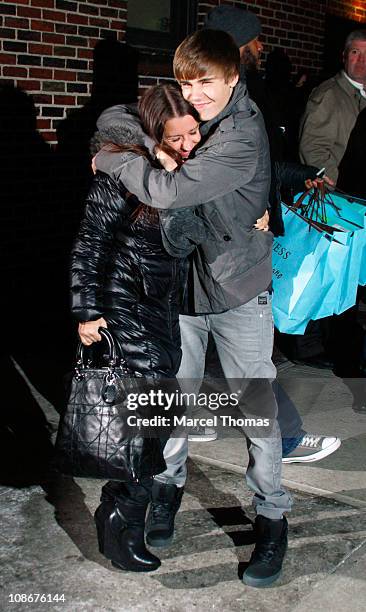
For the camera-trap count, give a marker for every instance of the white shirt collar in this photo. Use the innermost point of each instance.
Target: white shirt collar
(359, 86)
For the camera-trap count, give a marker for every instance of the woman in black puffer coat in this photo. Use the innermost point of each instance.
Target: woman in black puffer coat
(124, 278)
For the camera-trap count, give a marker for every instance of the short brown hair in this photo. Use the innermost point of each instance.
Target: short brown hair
(204, 51)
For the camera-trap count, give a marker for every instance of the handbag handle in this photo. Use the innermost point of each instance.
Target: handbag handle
(112, 353)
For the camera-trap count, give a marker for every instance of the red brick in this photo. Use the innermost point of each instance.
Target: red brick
(14, 71)
(64, 75)
(66, 100)
(85, 53)
(41, 73)
(42, 98)
(64, 51)
(17, 23)
(29, 85)
(43, 124)
(98, 21)
(39, 49)
(27, 11)
(7, 58)
(78, 19)
(54, 15)
(7, 33)
(109, 12)
(118, 25)
(42, 26)
(56, 39)
(45, 3)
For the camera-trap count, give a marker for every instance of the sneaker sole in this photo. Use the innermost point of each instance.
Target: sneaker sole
(260, 582)
(315, 457)
(211, 438)
(160, 543)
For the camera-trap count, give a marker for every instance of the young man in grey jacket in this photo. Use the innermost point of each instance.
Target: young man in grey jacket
(231, 274)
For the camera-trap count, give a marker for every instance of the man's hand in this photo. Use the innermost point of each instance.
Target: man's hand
(166, 161)
(88, 331)
(309, 183)
(263, 223)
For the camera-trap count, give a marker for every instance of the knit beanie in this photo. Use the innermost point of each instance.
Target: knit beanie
(243, 25)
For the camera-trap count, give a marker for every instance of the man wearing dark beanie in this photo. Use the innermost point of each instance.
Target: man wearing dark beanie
(243, 26)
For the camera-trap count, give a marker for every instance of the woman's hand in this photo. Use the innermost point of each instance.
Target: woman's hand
(88, 331)
(263, 223)
(166, 161)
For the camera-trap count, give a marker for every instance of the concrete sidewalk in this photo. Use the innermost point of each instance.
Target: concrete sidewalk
(325, 405)
(48, 543)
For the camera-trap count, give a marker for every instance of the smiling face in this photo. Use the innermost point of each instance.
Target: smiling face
(355, 61)
(182, 134)
(209, 94)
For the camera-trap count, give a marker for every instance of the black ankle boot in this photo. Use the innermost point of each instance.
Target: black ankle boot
(165, 502)
(108, 498)
(101, 515)
(267, 557)
(124, 542)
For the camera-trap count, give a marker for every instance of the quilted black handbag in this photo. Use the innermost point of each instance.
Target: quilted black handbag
(94, 439)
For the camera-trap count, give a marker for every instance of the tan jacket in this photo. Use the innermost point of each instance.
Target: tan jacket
(329, 117)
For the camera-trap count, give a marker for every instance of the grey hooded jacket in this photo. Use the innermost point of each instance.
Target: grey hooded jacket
(229, 177)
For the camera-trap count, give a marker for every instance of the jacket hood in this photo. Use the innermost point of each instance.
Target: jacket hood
(119, 124)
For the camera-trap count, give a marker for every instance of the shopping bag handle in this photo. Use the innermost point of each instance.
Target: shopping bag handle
(314, 191)
(296, 205)
(317, 225)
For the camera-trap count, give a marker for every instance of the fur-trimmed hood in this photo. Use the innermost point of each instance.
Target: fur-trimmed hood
(119, 124)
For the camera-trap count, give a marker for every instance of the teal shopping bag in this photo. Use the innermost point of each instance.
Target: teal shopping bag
(302, 278)
(353, 210)
(344, 217)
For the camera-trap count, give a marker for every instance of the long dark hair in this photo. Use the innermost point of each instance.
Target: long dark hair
(157, 105)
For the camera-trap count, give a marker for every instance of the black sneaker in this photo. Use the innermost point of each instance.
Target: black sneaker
(165, 502)
(265, 564)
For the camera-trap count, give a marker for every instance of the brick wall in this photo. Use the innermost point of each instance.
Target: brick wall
(295, 25)
(354, 10)
(46, 45)
(46, 49)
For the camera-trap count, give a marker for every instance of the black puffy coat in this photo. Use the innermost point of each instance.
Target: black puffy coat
(121, 271)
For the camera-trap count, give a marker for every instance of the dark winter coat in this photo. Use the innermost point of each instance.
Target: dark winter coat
(132, 271)
(120, 271)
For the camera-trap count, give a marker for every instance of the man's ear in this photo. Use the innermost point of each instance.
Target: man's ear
(234, 81)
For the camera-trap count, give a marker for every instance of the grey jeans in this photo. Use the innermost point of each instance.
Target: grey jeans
(244, 343)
